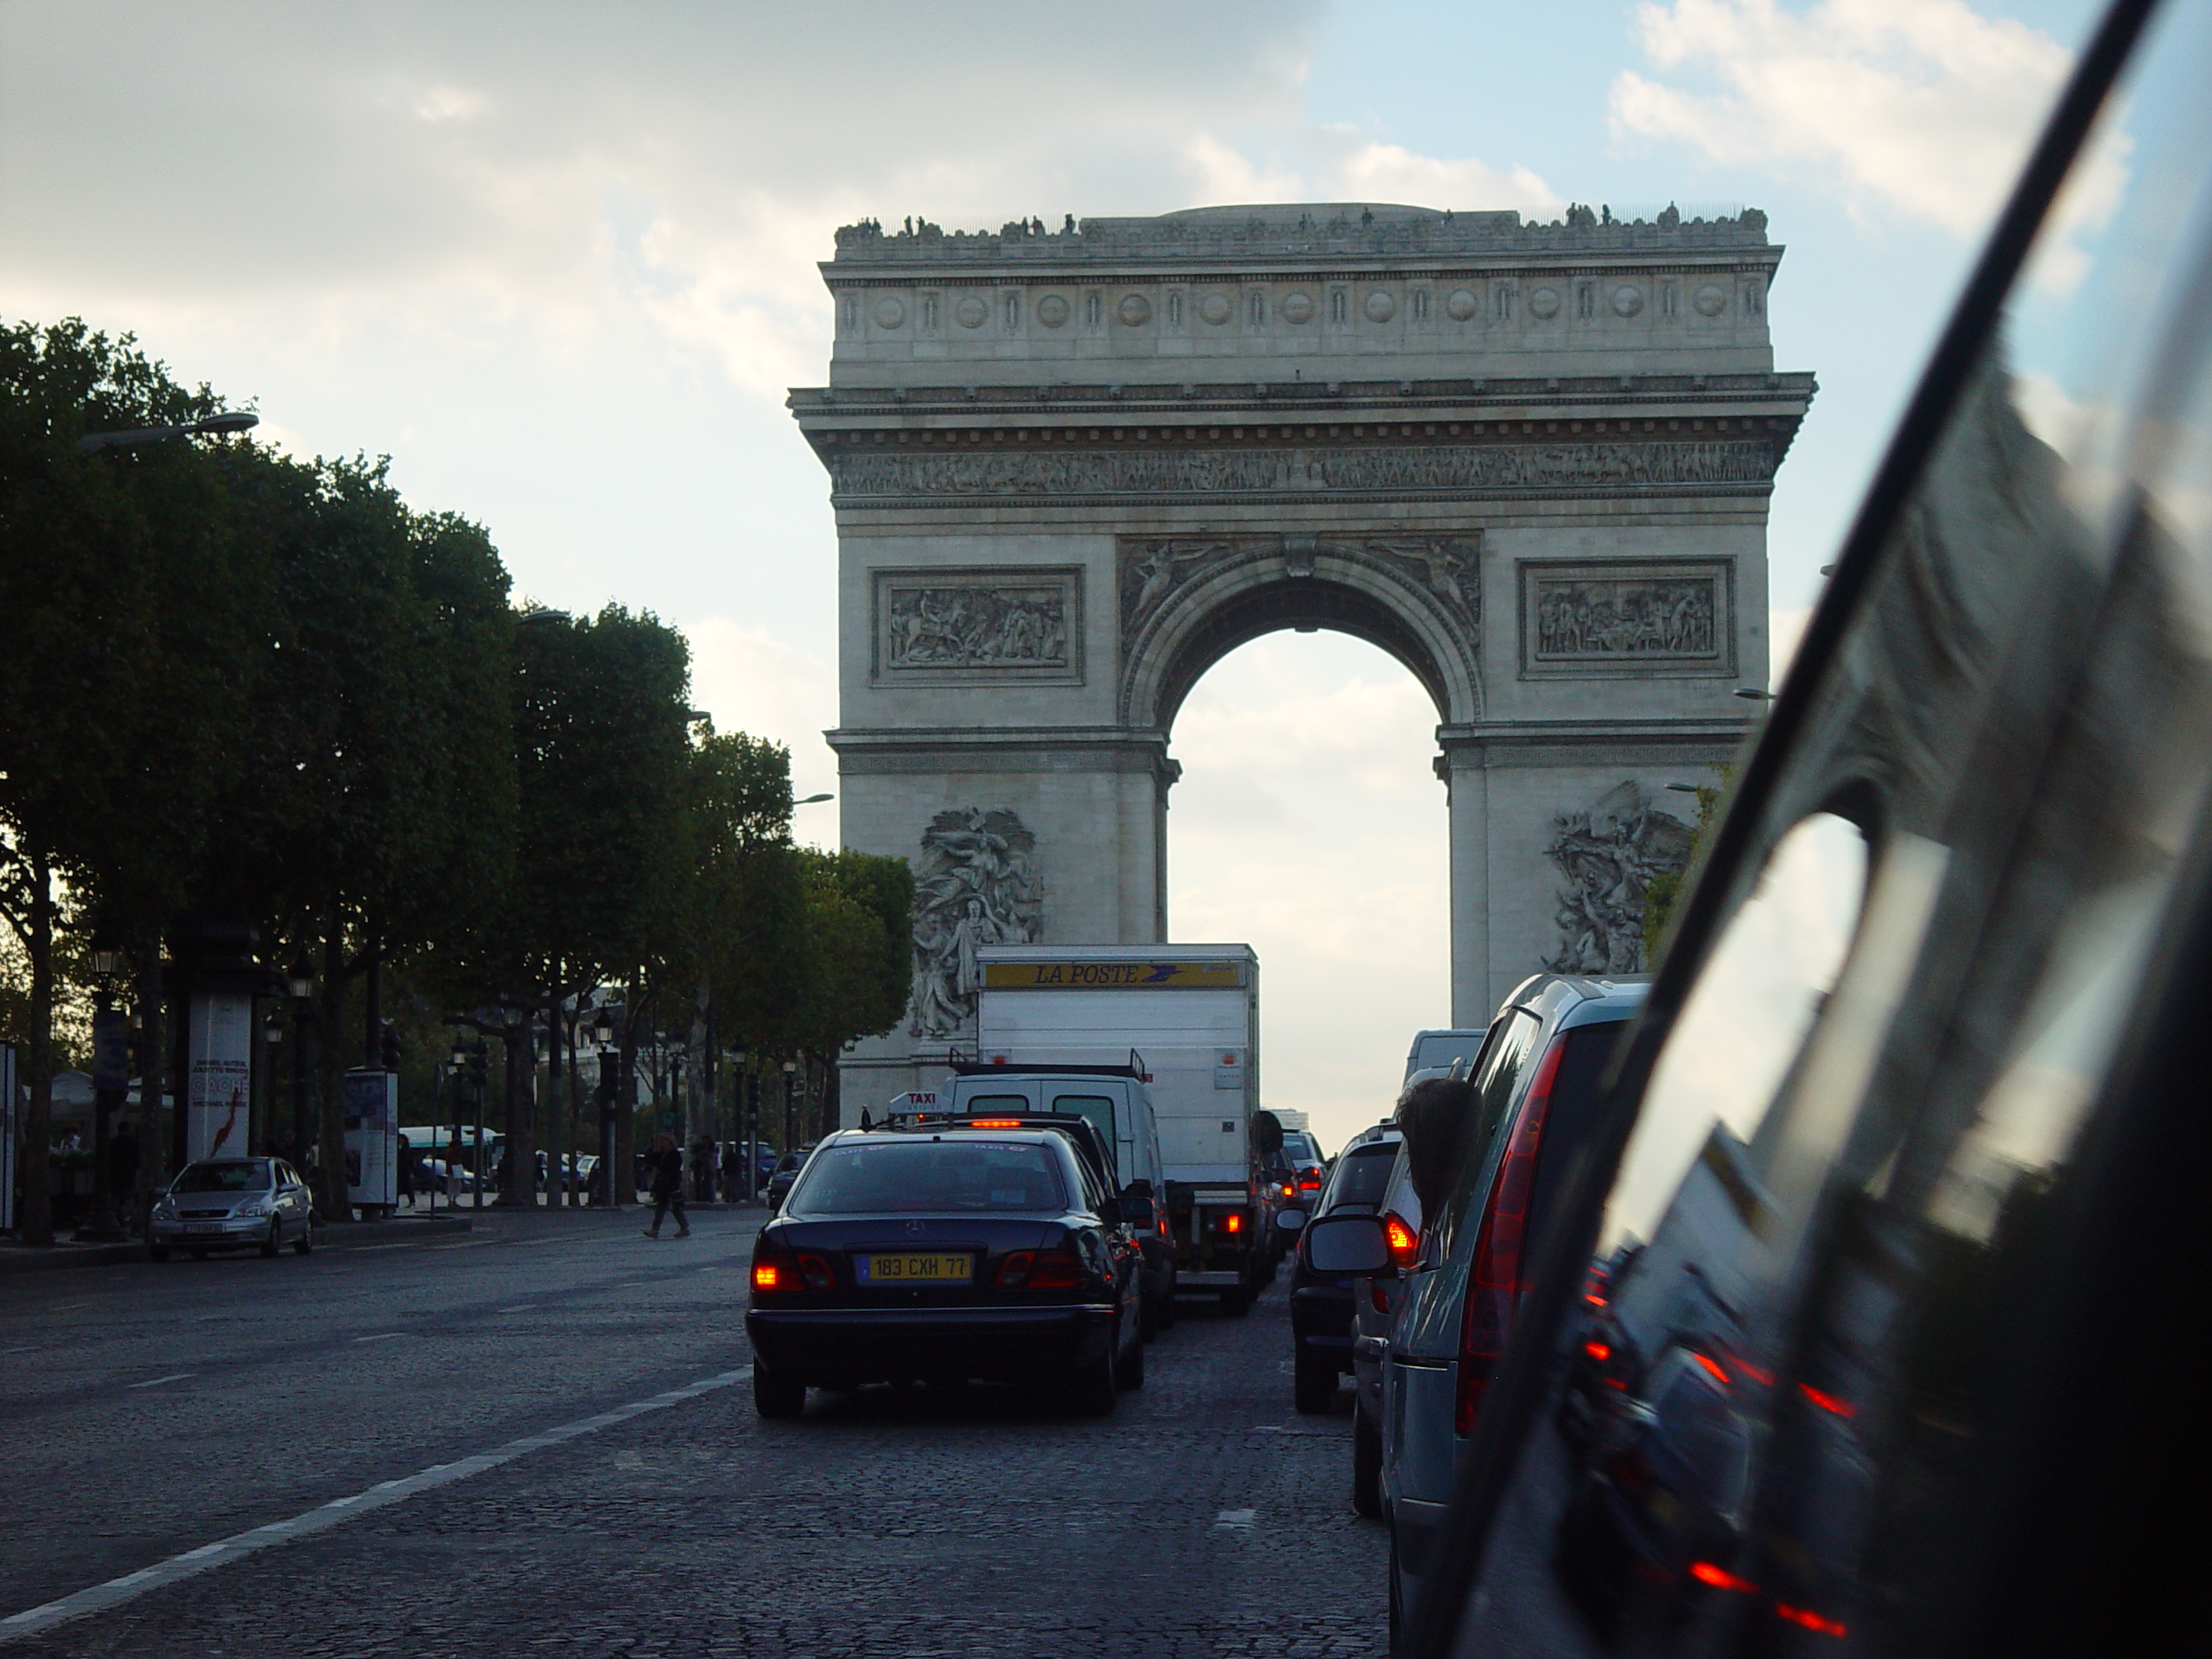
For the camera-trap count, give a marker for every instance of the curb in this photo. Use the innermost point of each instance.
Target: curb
(16, 1258)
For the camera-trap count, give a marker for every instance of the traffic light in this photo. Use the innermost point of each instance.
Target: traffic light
(387, 1047)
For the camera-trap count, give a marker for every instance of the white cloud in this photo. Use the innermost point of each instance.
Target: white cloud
(1378, 172)
(750, 681)
(1923, 109)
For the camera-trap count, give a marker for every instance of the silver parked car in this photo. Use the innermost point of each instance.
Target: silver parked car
(228, 1204)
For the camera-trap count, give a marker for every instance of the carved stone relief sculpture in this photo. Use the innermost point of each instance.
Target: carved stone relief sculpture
(1636, 619)
(1607, 856)
(979, 625)
(975, 884)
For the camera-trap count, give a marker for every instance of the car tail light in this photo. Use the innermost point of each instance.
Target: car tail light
(1598, 1351)
(1404, 1242)
(815, 1271)
(775, 1270)
(1055, 1270)
(993, 1123)
(1712, 1367)
(1828, 1402)
(1014, 1272)
(1721, 1578)
(1806, 1617)
(1232, 1223)
(1498, 1245)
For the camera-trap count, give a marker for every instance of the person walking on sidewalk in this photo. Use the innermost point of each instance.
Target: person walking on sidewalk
(667, 1167)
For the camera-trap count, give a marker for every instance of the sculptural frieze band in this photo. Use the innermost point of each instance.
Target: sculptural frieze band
(1503, 469)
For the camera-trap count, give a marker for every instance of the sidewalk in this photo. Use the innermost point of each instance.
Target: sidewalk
(16, 1258)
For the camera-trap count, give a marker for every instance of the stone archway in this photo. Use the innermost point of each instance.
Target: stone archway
(1073, 470)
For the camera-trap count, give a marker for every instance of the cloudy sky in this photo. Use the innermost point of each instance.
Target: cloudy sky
(557, 261)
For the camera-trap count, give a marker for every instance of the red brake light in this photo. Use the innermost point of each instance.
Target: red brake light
(1721, 1578)
(1828, 1402)
(1598, 1351)
(764, 1276)
(1713, 1366)
(1232, 1223)
(1497, 1285)
(993, 1123)
(779, 1272)
(1055, 1270)
(1809, 1619)
(1403, 1242)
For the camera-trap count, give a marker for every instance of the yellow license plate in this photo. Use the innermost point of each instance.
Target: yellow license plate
(908, 1267)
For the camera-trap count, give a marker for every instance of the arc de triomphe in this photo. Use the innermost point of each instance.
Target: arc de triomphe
(1071, 469)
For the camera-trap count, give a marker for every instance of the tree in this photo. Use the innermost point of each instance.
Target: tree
(602, 770)
(374, 817)
(132, 603)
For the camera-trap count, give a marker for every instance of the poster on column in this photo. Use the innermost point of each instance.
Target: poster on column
(219, 1085)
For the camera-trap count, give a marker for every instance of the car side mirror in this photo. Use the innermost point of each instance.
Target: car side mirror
(1431, 1114)
(1290, 1221)
(1141, 1211)
(1349, 1245)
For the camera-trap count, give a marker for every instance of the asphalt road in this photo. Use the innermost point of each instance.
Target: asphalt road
(540, 1435)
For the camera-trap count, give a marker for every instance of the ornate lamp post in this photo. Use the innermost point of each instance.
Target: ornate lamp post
(602, 1031)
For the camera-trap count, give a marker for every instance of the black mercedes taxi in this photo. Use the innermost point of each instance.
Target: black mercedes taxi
(943, 1249)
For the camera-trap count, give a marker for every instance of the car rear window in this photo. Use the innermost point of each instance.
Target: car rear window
(1099, 1108)
(1364, 1176)
(958, 1177)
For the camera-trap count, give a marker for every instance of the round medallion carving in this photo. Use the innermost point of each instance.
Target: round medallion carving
(1711, 299)
(1215, 308)
(1381, 305)
(890, 312)
(1051, 310)
(971, 312)
(1627, 299)
(1134, 310)
(1297, 308)
(1543, 302)
(1460, 304)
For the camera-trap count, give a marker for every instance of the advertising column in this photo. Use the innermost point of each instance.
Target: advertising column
(372, 1140)
(219, 1067)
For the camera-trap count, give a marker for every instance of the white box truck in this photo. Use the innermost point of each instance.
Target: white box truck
(1190, 1013)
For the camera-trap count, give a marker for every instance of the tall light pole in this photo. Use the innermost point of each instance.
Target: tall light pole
(94, 443)
(790, 1105)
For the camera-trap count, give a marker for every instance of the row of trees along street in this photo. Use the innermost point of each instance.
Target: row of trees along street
(264, 704)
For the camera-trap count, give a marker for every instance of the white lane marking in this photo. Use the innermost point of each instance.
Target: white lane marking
(101, 1597)
(1235, 1517)
(156, 1381)
(385, 1336)
(4, 1352)
(520, 1307)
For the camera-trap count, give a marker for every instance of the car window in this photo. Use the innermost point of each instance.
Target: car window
(1566, 1121)
(1442, 1048)
(1497, 1080)
(990, 1105)
(231, 1175)
(1099, 1108)
(1361, 1176)
(951, 1177)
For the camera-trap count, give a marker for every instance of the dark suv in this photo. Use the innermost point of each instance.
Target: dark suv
(1321, 1303)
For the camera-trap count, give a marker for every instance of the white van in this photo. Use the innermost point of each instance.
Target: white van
(1117, 1103)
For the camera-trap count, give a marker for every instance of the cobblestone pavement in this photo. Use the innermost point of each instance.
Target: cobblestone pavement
(1205, 1518)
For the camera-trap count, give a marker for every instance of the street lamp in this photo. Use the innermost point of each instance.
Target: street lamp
(790, 1105)
(812, 799)
(93, 443)
(299, 980)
